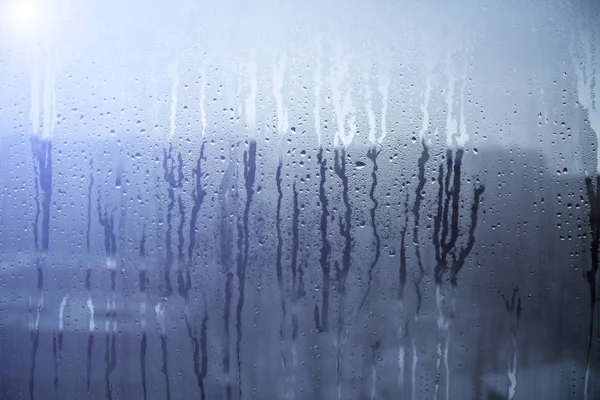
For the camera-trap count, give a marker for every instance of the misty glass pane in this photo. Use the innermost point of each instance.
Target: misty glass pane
(299, 199)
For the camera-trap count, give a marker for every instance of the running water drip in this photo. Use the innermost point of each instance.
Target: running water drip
(173, 73)
(279, 66)
(160, 309)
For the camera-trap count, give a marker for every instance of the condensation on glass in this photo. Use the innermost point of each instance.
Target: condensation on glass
(299, 200)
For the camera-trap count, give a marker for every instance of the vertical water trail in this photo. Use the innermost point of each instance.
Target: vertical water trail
(242, 262)
(443, 325)
(368, 99)
(374, 349)
(110, 245)
(184, 278)
(318, 81)
(199, 355)
(590, 275)
(198, 196)
(168, 241)
(279, 65)
(89, 206)
(279, 274)
(413, 377)
(588, 84)
(110, 352)
(417, 221)
(458, 264)
(227, 349)
(34, 328)
(429, 67)
(298, 290)
(402, 270)
(42, 153)
(343, 106)
(92, 327)
(198, 199)
(173, 176)
(588, 87)
(204, 350)
(228, 200)
(384, 90)
(514, 310)
(401, 361)
(442, 249)
(339, 168)
(143, 284)
(250, 106)
(159, 309)
(57, 344)
(174, 75)
(322, 319)
(446, 232)
(202, 100)
(403, 328)
(372, 155)
(416, 212)
(88, 280)
(443, 246)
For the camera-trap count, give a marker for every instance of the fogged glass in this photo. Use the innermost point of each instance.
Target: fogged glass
(299, 199)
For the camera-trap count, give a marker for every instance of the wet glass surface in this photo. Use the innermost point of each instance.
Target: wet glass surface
(299, 200)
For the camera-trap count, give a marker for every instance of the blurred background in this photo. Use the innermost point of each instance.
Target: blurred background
(299, 200)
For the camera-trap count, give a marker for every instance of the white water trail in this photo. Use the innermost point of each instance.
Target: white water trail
(111, 263)
(35, 94)
(587, 382)
(451, 122)
(588, 82)
(415, 360)
(42, 114)
(250, 103)
(90, 306)
(426, 100)
(159, 309)
(437, 371)
(107, 322)
(512, 377)
(446, 367)
(384, 91)
(279, 66)
(114, 309)
(512, 369)
(49, 99)
(369, 106)
(34, 321)
(143, 301)
(373, 381)
(343, 107)
(61, 313)
(202, 100)
(587, 90)
(463, 136)
(318, 87)
(174, 74)
(443, 324)
(401, 362)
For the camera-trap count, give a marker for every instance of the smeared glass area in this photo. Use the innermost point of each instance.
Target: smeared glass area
(299, 200)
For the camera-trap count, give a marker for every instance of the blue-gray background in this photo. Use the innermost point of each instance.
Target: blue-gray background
(299, 200)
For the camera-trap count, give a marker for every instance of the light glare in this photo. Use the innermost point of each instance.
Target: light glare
(24, 16)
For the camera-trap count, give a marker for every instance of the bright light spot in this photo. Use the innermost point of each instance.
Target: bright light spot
(24, 16)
